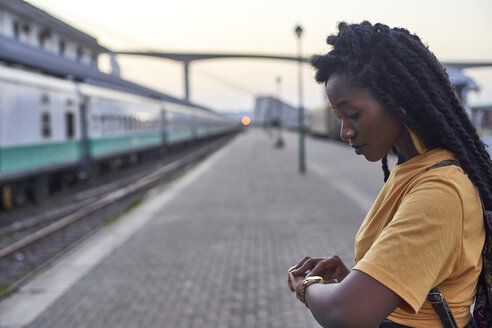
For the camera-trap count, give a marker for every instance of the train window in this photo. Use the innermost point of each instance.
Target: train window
(43, 36)
(46, 124)
(127, 123)
(95, 122)
(45, 100)
(69, 124)
(26, 28)
(103, 123)
(80, 53)
(109, 123)
(69, 120)
(16, 28)
(45, 116)
(61, 47)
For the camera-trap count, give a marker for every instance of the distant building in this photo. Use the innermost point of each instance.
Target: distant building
(237, 116)
(271, 111)
(32, 27)
(33, 39)
(463, 84)
(482, 118)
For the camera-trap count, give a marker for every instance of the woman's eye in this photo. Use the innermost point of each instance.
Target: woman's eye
(354, 116)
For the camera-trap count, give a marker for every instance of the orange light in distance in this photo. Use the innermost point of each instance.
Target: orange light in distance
(245, 120)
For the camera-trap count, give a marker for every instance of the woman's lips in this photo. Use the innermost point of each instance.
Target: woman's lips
(358, 149)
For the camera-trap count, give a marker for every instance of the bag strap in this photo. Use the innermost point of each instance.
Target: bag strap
(435, 297)
(442, 308)
(446, 162)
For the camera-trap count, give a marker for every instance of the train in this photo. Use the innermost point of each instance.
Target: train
(55, 130)
(322, 122)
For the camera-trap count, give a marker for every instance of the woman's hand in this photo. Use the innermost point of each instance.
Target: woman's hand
(331, 269)
(361, 301)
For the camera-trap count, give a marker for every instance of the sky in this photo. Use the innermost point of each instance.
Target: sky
(455, 30)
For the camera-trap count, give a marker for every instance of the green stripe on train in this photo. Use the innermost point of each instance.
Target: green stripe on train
(208, 131)
(178, 135)
(106, 146)
(14, 159)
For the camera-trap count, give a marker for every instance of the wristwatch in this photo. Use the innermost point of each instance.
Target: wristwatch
(307, 282)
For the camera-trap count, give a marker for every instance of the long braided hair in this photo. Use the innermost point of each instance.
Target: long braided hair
(403, 73)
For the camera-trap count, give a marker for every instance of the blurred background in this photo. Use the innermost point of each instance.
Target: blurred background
(456, 31)
(94, 132)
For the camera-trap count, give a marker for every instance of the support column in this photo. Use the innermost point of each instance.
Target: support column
(186, 64)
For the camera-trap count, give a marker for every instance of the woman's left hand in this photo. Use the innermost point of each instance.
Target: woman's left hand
(295, 282)
(332, 270)
(342, 304)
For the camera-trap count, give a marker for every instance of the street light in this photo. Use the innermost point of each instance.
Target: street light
(279, 112)
(302, 162)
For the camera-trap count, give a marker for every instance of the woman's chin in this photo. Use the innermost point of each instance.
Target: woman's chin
(372, 157)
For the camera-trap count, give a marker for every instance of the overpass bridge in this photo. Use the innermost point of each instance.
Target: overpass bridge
(454, 68)
(187, 58)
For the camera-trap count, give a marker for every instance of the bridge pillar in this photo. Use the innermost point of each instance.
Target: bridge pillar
(186, 64)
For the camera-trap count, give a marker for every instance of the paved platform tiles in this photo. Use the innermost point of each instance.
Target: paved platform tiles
(213, 249)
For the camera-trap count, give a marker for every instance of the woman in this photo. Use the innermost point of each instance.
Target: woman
(426, 227)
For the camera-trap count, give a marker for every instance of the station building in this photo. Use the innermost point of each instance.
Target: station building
(270, 111)
(33, 39)
(30, 28)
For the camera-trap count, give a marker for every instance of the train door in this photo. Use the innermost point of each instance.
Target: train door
(164, 128)
(84, 138)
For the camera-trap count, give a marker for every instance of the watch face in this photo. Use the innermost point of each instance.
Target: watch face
(313, 278)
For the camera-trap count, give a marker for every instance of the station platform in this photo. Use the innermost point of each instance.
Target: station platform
(211, 249)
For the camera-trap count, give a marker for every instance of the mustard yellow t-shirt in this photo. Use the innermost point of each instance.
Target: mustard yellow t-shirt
(423, 230)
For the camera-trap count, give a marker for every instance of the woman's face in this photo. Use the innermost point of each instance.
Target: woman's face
(371, 129)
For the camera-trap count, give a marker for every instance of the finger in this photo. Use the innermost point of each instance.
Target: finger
(307, 265)
(290, 279)
(299, 264)
(326, 267)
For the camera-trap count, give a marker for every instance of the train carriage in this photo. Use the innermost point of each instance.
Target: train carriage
(323, 122)
(54, 130)
(118, 122)
(180, 123)
(38, 131)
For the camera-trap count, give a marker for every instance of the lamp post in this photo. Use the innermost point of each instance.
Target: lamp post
(279, 112)
(302, 155)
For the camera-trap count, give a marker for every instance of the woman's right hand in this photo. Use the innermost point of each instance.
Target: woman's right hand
(331, 269)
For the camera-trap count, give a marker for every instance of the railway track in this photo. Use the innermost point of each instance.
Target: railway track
(28, 245)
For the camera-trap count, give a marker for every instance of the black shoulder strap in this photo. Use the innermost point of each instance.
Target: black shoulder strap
(435, 297)
(447, 162)
(442, 308)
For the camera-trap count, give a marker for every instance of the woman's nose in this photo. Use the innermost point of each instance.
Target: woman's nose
(346, 131)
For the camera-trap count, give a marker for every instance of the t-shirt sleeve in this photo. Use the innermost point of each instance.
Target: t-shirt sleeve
(420, 244)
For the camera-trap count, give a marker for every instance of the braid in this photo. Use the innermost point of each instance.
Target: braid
(386, 171)
(403, 73)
